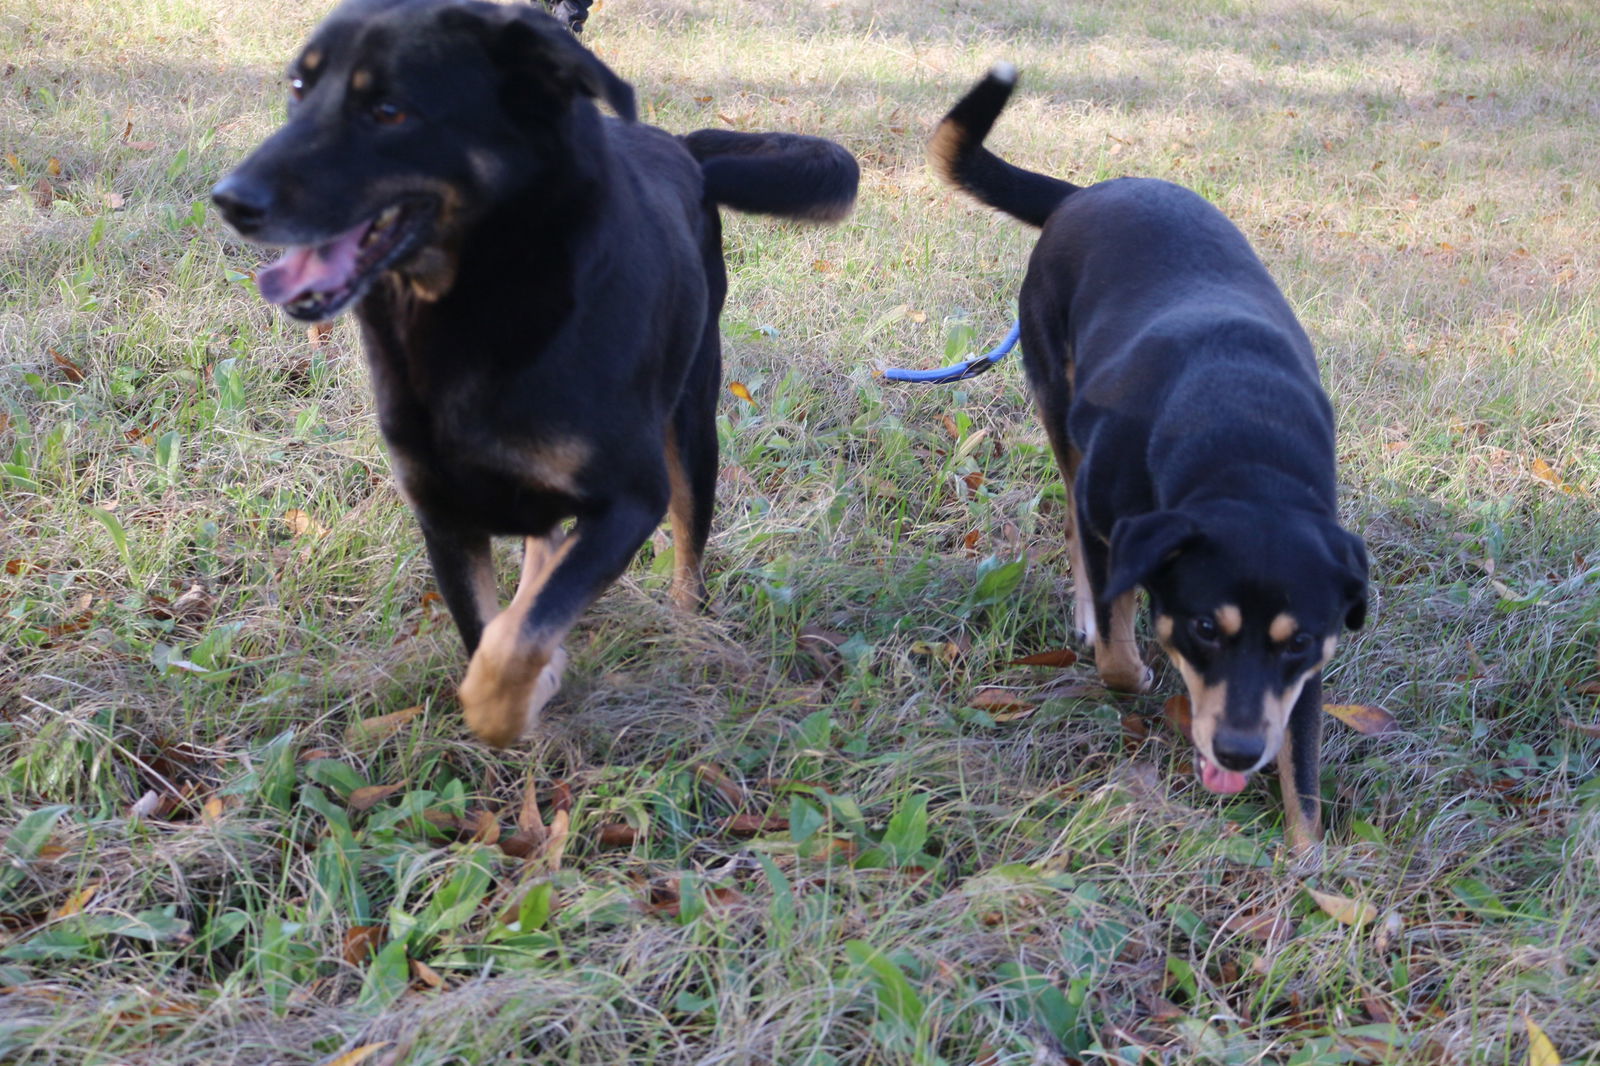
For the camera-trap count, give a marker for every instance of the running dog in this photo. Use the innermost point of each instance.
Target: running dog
(1182, 401)
(538, 288)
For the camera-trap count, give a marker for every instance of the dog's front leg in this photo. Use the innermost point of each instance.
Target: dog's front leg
(1299, 769)
(518, 664)
(1116, 645)
(464, 569)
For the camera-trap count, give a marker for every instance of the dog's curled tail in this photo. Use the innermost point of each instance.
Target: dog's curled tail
(957, 153)
(785, 174)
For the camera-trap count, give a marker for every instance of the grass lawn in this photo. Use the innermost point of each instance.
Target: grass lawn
(242, 821)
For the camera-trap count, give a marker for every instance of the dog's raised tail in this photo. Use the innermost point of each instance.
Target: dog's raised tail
(957, 153)
(786, 174)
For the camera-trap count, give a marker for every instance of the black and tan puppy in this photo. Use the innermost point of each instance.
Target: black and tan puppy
(538, 289)
(1182, 400)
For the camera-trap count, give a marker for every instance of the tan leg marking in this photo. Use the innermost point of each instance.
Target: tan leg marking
(688, 574)
(1283, 627)
(1302, 833)
(1229, 620)
(1116, 654)
(514, 674)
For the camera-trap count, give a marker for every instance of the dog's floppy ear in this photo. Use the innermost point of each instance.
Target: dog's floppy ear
(1140, 544)
(524, 38)
(1351, 551)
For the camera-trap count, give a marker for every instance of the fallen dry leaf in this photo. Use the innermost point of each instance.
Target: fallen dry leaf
(424, 974)
(361, 942)
(556, 844)
(369, 796)
(302, 524)
(1002, 705)
(76, 902)
(145, 805)
(1588, 729)
(1368, 719)
(730, 790)
(1060, 657)
(1547, 474)
(1541, 1052)
(69, 370)
(1176, 712)
(1343, 909)
(616, 835)
(749, 825)
(355, 1055)
(739, 390)
(384, 726)
(1270, 927)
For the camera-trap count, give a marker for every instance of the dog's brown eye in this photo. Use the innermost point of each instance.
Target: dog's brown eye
(1203, 629)
(389, 114)
(1301, 643)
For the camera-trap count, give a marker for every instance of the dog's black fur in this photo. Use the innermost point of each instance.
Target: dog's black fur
(1182, 400)
(538, 289)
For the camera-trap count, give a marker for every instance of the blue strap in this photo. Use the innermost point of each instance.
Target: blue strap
(944, 375)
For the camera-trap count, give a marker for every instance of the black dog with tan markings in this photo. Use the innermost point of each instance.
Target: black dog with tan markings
(1182, 401)
(538, 289)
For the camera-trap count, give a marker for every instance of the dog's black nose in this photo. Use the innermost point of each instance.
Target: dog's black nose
(244, 203)
(1236, 750)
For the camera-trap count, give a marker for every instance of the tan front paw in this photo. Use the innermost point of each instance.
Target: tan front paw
(501, 697)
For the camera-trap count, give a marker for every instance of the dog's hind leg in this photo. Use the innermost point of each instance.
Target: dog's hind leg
(464, 569)
(691, 453)
(1299, 769)
(518, 664)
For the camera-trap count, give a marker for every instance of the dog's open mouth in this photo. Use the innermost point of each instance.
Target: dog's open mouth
(1216, 779)
(316, 282)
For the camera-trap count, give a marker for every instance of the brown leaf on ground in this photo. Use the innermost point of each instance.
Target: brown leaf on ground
(528, 816)
(732, 793)
(1588, 729)
(616, 835)
(384, 726)
(556, 844)
(560, 797)
(1586, 688)
(1135, 731)
(76, 902)
(302, 524)
(317, 333)
(356, 1056)
(1060, 657)
(361, 942)
(749, 825)
(477, 825)
(1343, 909)
(1176, 712)
(1270, 927)
(524, 843)
(44, 194)
(369, 796)
(195, 606)
(1368, 719)
(69, 370)
(1002, 701)
(425, 975)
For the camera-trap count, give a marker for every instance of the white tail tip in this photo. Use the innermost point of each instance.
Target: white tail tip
(1004, 72)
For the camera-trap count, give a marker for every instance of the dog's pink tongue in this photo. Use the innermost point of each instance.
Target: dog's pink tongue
(325, 268)
(1219, 780)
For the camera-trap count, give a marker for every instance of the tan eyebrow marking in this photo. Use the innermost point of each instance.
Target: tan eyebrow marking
(361, 80)
(312, 60)
(1283, 627)
(1229, 619)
